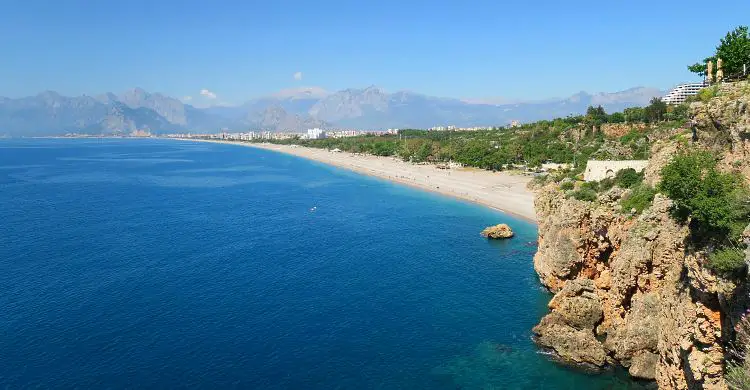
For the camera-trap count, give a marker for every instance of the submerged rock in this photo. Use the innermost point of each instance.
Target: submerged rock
(498, 231)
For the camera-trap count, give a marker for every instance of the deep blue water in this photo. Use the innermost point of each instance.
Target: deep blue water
(162, 264)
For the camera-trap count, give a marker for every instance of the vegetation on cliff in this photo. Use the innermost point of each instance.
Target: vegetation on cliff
(713, 203)
(738, 370)
(639, 199)
(662, 254)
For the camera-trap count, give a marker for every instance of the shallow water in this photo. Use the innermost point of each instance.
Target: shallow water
(159, 264)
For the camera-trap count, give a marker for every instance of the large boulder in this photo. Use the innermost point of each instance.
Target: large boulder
(498, 231)
(571, 345)
(578, 304)
(569, 329)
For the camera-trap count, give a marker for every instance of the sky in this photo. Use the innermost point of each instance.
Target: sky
(226, 52)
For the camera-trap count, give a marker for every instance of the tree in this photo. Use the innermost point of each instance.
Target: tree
(655, 111)
(634, 114)
(734, 51)
(680, 112)
(628, 178)
(616, 117)
(595, 116)
(701, 67)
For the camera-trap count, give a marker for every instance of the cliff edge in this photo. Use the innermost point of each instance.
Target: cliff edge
(631, 288)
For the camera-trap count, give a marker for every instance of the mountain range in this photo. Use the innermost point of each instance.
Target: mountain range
(50, 113)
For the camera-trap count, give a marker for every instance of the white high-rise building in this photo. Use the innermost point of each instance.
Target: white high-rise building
(681, 92)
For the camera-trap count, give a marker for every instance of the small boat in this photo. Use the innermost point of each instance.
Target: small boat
(312, 210)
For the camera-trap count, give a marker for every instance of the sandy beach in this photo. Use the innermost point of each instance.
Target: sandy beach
(502, 191)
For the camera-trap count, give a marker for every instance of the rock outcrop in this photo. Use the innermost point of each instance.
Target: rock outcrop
(576, 310)
(630, 290)
(725, 119)
(497, 232)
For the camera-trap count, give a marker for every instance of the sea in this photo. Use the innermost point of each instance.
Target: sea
(160, 264)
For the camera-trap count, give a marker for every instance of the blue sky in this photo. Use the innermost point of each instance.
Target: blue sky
(466, 49)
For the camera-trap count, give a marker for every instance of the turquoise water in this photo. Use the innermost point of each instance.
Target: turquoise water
(161, 264)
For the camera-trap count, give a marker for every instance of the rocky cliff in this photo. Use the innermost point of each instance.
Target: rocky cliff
(631, 289)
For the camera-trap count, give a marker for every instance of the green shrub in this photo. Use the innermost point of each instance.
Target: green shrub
(567, 185)
(707, 94)
(639, 199)
(631, 136)
(606, 184)
(590, 185)
(715, 203)
(727, 262)
(628, 178)
(585, 195)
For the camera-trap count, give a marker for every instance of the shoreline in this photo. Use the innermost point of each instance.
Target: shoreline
(500, 191)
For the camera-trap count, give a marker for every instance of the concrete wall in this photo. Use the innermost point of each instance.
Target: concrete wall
(598, 170)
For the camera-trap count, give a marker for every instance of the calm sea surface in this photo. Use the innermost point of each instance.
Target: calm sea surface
(162, 264)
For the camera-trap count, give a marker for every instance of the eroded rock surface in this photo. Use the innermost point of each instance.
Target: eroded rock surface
(630, 290)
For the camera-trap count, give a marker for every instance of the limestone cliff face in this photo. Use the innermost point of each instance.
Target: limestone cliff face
(629, 289)
(726, 119)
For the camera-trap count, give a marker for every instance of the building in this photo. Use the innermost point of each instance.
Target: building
(315, 133)
(681, 92)
(599, 170)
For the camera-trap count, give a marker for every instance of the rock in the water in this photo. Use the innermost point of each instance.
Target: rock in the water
(498, 231)
(568, 329)
(571, 345)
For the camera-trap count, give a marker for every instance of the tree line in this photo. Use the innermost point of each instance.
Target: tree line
(573, 139)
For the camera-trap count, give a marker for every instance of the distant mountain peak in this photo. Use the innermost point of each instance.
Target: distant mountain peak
(49, 94)
(301, 93)
(294, 109)
(641, 94)
(137, 91)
